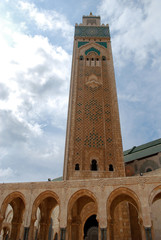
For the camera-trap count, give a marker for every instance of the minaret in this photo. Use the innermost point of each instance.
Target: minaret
(93, 139)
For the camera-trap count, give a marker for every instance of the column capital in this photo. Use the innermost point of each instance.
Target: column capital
(102, 222)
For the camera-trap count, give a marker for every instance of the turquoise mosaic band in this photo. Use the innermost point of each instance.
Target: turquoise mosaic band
(81, 44)
(86, 31)
(104, 44)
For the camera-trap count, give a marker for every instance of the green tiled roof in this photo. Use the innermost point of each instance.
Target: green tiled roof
(142, 151)
(57, 179)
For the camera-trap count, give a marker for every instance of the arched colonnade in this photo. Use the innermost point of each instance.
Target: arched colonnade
(61, 212)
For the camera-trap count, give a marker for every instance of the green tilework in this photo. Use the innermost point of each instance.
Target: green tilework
(92, 49)
(104, 44)
(88, 31)
(81, 44)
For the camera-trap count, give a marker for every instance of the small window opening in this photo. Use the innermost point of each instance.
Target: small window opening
(103, 58)
(87, 59)
(111, 168)
(81, 57)
(77, 167)
(97, 59)
(92, 59)
(94, 165)
(148, 170)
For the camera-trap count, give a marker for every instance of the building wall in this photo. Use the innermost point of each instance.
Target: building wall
(156, 219)
(105, 194)
(143, 165)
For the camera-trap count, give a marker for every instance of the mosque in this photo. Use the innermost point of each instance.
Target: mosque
(105, 193)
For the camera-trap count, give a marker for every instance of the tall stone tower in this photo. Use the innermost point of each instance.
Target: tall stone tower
(93, 139)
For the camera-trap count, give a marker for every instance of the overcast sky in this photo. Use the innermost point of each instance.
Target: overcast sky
(36, 41)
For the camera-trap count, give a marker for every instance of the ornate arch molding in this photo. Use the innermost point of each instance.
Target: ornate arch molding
(94, 48)
(155, 195)
(122, 194)
(9, 199)
(89, 210)
(79, 194)
(42, 196)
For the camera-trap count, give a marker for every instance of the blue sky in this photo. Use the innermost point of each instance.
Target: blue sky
(36, 42)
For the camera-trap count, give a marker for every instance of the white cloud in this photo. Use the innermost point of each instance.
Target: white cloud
(33, 105)
(48, 19)
(135, 29)
(36, 68)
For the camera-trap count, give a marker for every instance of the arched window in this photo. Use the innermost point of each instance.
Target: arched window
(111, 168)
(94, 165)
(77, 167)
(81, 57)
(103, 58)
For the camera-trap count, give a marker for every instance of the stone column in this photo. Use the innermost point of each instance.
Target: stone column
(44, 230)
(7, 237)
(63, 210)
(142, 229)
(146, 217)
(31, 230)
(102, 212)
(103, 233)
(36, 234)
(1, 222)
(26, 233)
(148, 233)
(62, 233)
(15, 232)
(4, 233)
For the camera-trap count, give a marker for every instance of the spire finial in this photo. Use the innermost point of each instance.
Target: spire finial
(91, 14)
